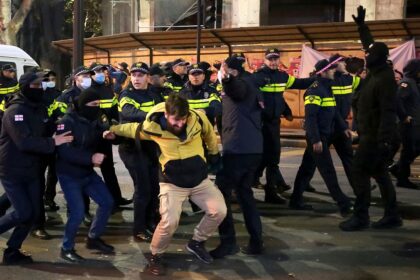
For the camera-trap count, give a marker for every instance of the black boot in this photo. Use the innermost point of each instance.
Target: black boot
(156, 266)
(15, 257)
(354, 224)
(224, 250)
(253, 249)
(271, 196)
(71, 256)
(388, 221)
(295, 205)
(99, 244)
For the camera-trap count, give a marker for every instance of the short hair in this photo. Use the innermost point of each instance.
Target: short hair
(177, 105)
(354, 65)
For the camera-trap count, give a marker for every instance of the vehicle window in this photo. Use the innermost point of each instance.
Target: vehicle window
(7, 62)
(27, 68)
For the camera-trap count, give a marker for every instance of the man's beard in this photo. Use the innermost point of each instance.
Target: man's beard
(177, 131)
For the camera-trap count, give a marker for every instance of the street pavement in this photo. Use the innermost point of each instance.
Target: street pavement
(299, 244)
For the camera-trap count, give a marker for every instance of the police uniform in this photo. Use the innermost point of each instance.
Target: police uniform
(176, 82)
(8, 87)
(320, 118)
(272, 84)
(140, 158)
(202, 96)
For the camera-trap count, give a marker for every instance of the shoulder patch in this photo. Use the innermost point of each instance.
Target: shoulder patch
(404, 85)
(18, 118)
(60, 127)
(314, 84)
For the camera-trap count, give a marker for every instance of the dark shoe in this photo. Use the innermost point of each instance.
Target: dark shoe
(282, 187)
(407, 184)
(272, 197)
(88, 219)
(197, 248)
(346, 211)
(310, 188)
(41, 234)
(388, 222)
(300, 206)
(156, 266)
(257, 184)
(224, 250)
(51, 206)
(124, 201)
(99, 244)
(354, 224)
(142, 236)
(16, 257)
(71, 256)
(252, 250)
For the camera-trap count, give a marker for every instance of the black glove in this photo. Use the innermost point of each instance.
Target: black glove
(361, 13)
(214, 163)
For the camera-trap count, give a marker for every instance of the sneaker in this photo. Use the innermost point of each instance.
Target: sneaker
(99, 244)
(387, 222)
(156, 266)
(354, 224)
(197, 248)
(16, 257)
(224, 250)
(71, 256)
(124, 201)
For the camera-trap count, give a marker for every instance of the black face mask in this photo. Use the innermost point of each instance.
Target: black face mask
(33, 94)
(89, 113)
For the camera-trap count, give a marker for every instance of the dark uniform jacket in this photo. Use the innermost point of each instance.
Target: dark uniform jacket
(241, 119)
(7, 87)
(408, 95)
(175, 82)
(203, 97)
(22, 141)
(75, 159)
(65, 100)
(108, 102)
(376, 106)
(343, 87)
(164, 92)
(320, 111)
(273, 83)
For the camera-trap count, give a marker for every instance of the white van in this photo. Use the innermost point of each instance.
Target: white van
(17, 57)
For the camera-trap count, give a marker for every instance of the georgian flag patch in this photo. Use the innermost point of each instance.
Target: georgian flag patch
(18, 118)
(60, 127)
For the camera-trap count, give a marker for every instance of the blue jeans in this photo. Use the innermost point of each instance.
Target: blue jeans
(73, 189)
(23, 194)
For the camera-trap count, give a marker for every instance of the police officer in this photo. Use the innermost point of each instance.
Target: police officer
(408, 95)
(8, 82)
(75, 162)
(320, 119)
(157, 81)
(109, 112)
(376, 115)
(272, 83)
(21, 147)
(178, 75)
(242, 152)
(200, 95)
(140, 158)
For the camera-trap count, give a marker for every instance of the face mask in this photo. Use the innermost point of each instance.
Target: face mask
(44, 85)
(100, 78)
(86, 83)
(33, 94)
(51, 84)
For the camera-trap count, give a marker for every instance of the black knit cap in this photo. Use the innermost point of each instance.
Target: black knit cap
(379, 48)
(156, 70)
(234, 62)
(87, 96)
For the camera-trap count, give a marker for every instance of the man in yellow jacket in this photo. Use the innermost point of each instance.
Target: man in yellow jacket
(180, 132)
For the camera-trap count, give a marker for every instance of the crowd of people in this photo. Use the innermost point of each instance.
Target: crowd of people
(165, 118)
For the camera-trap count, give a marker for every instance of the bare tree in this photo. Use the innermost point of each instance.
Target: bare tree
(9, 26)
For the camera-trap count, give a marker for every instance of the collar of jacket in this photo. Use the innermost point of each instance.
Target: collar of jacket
(152, 124)
(377, 68)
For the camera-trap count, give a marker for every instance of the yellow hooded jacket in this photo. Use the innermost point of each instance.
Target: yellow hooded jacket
(183, 162)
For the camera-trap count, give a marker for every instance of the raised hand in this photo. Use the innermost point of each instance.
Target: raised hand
(361, 14)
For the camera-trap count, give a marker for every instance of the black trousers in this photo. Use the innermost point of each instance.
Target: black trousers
(144, 173)
(369, 162)
(410, 149)
(238, 174)
(108, 173)
(51, 180)
(325, 165)
(271, 153)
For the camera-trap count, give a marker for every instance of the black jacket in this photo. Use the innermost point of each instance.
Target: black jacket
(22, 141)
(7, 87)
(75, 159)
(273, 83)
(175, 82)
(320, 111)
(203, 97)
(376, 106)
(241, 119)
(108, 102)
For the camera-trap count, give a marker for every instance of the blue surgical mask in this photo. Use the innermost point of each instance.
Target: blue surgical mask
(100, 78)
(86, 83)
